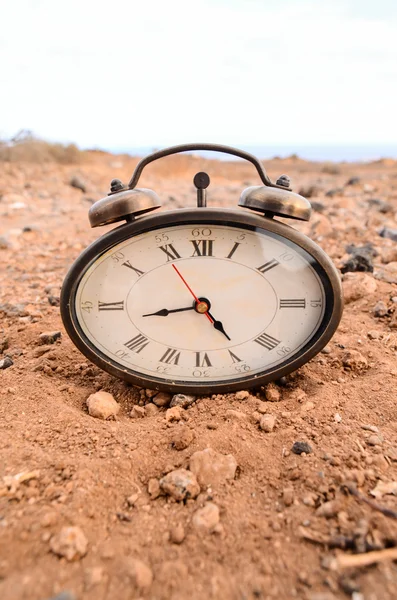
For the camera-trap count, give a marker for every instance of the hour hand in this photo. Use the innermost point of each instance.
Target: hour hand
(219, 326)
(164, 312)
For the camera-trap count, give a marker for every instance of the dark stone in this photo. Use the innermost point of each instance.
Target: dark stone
(380, 309)
(387, 232)
(78, 183)
(380, 205)
(182, 400)
(310, 191)
(353, 181)
(317, 206)
(300, 447)
(367, 248)
(6, 362)
(334, 192)
(358, 262)
(53, 300)
(361, 258)
(29, 228)
(49, 337)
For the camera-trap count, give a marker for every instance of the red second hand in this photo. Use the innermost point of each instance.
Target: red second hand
(191, 291)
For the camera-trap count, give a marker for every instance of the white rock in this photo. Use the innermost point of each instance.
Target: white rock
(267, 423)
(102, 405)
(182, 400)
(212, 468)
(207, 518)
(180, 484)
(70, 543)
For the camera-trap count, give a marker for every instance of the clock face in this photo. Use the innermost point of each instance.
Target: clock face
(191, 304)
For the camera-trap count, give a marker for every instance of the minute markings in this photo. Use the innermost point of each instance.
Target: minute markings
(170, 252)
(138, 343)
(202, 247)
(111, 305)
(268, 265)
(267, 341)
(292, 303)
(170, 357)
(233, 250)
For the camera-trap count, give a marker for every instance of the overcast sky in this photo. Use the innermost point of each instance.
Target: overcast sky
(122, 73)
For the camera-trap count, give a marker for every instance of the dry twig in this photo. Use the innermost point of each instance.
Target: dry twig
(346, 561)
(388, 512)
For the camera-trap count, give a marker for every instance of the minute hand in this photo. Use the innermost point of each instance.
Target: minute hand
(164, 312)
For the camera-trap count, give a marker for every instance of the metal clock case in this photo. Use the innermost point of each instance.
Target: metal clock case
(201, 300)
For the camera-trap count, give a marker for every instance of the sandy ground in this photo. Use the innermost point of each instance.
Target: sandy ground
(82, 515)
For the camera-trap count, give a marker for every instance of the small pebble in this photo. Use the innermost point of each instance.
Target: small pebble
(49, 337)
(242, 395)
(153, 488)
(328, 509)
(213, 468)
(272, 393)
(267, 423)
(354, 361)
(151, 410)
(288, 496)
(182, 400)
(102, 405)
(174, 414)
(207, 518)
(374, 440)
(4, 243)
(300, 447)
(69, 543)
(389, 233)
(372, 428)
(6, 362)
(181, 437)
(177, 534)
(380, 309)
(162, 399)
(137, 412)
(78, 183)
(180, 484)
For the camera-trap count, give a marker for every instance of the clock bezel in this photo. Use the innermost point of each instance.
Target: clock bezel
(202, 216)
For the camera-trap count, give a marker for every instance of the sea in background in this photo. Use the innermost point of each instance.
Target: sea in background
(340, 153)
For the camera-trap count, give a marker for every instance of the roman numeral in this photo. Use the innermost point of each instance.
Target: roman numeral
(293, 303)
(129, 265)
(233, 250)
(111, 305)
(202, 361)
(235, 359)
(170, 357)
(202, 247)
(267, 341)
(170, 251)
(269, 265)
(138, 343)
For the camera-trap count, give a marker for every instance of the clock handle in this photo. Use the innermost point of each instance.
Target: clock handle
(213, 147)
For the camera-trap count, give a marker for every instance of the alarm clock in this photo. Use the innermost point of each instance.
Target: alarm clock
(201, 300)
